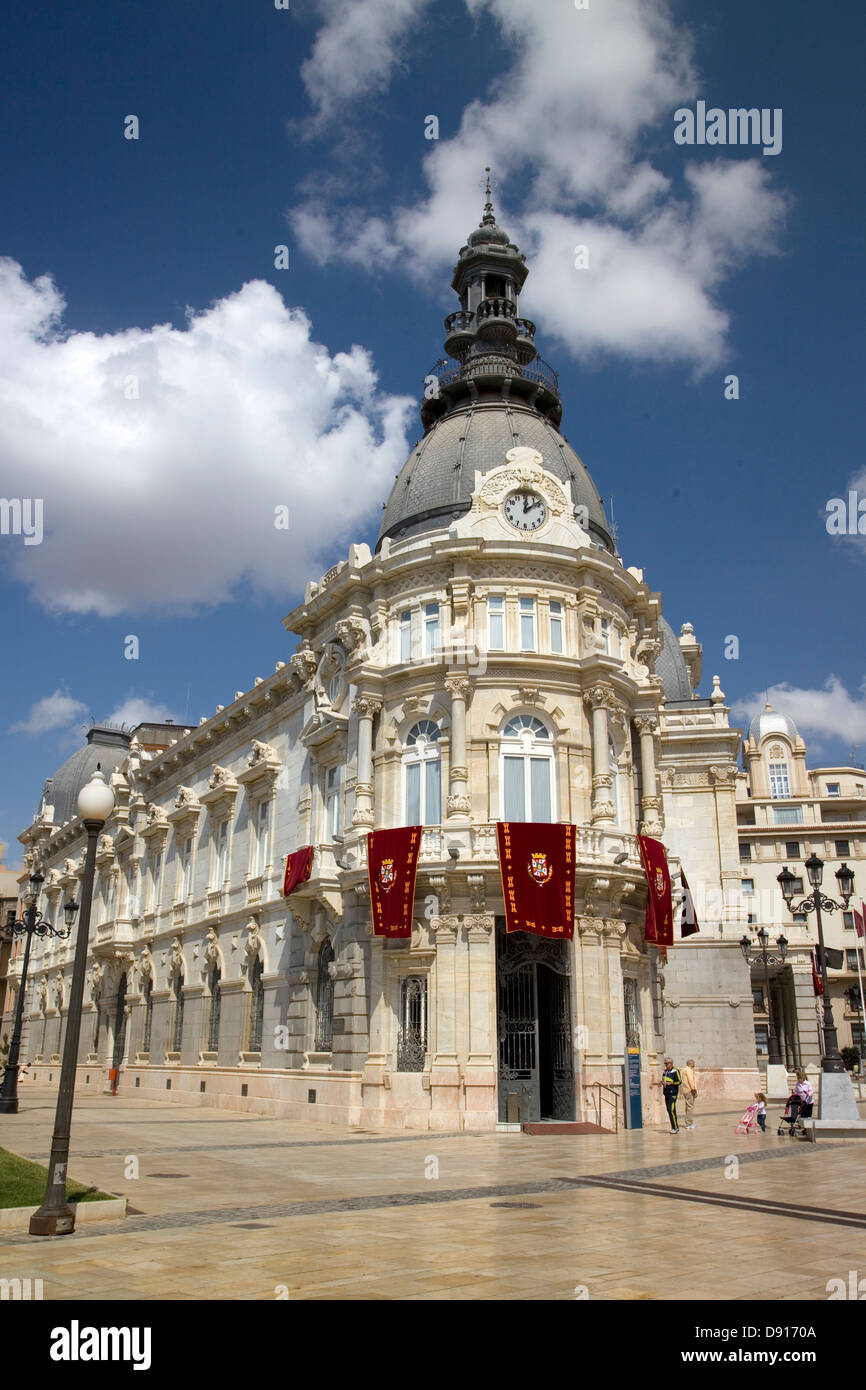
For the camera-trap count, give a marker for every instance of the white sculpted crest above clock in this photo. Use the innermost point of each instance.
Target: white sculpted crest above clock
(525, 510)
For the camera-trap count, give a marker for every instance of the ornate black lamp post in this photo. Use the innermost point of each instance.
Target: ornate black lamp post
(774, 1055)
(56, 1217)
(32, 924)
(816, 902)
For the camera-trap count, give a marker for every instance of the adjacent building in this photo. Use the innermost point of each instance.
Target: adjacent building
(785, 813)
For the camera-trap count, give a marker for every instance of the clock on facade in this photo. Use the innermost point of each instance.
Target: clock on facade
(525, 510)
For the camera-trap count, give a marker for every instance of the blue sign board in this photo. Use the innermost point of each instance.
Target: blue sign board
(632, 1088)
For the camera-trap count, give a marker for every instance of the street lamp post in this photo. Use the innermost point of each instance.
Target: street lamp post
(831, 1060)
(774, 1054)
(56, 1217)
(32, 924)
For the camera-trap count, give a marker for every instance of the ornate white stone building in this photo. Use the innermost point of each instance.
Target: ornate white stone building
(786, 812)
(493, 658)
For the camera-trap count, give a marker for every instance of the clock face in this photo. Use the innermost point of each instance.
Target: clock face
(525, 510)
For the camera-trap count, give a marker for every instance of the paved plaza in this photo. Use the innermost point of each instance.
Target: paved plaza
(233, 1206)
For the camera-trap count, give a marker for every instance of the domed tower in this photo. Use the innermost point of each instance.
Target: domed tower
(491, 394)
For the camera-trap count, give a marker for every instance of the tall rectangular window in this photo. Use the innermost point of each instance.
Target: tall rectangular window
(406, 635)
(186, 868)
(540, 769)
(413, 794)
(745, 853)
(431, 629)
(513, 794)
(432, 792)
(792, 849)
(333, 809)
(780, 787)
(155, 876)
(555, 626)
(527, 624)
(221, 844)
(747, 885)
(605, 636)
(788, 815)
(263, 822)
(843, 848)
(496, 622)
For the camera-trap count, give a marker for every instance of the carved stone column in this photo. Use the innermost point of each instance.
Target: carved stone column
(459, 804)
(600, 698)
(479, 1075)
(375, 1078)
(653, 820)
(366, 707)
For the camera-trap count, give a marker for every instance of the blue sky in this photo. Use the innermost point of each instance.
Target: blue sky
(165, 387)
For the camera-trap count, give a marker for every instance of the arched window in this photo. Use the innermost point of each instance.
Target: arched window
(257, 1005)
(148, 1014)
(412, 1038)
(324, 1000)
(177, 1032)
(527, 770)
(423, 774)
(213, 1025)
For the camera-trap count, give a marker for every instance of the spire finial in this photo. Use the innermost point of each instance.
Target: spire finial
(489, 185)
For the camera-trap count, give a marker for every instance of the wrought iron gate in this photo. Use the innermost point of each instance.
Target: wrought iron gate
(534, 1026)
(119, 1024)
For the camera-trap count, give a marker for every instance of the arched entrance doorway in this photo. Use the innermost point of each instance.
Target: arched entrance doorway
(534, 1026)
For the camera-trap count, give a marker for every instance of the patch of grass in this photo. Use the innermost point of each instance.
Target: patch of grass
(22, 1184)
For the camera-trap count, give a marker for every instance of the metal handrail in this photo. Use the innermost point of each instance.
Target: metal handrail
(600, 1087)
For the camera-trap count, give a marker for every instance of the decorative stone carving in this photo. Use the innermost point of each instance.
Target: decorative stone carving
(211, 949)
(261, 753)
(145, 965)
(222, 778)
(458, 687)
(366, 706)
(253, 947)
(42, 995)
(96, 973)
(58, 992)
(455, 804)
(646, 723)
(596, 890)
(442, 888)
(186, 800)
(354, 633)
(304, 663)
(105, 846)
(477, 892)
(724, 774)
(175, 960)
(524, 467)
(601, 696)
(647, 653)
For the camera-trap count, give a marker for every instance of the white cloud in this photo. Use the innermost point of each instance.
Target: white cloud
(575, 119)
(830, 712)
(56, 711)
(167, 499)
(139, 710)
(356, 50)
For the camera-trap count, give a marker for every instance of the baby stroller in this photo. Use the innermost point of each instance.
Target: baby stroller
(748, 1124)
(796, 1111)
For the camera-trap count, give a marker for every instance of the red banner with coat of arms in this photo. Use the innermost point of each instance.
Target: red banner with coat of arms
(392, 861)
(536, 863)
(659, 923)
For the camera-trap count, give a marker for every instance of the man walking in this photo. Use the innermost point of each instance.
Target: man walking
(670, 1083)
(690, 1091)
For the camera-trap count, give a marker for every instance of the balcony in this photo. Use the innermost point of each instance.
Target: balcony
(117, 932)
(254, 890)
(593, 847)
(214, 902)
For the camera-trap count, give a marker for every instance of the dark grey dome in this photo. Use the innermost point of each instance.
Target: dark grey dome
(436, 484)
(107, 747)
(671, 665)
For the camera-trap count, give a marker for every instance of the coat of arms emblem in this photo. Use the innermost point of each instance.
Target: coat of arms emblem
(540, 868)
(660, 883)
(387, 874)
